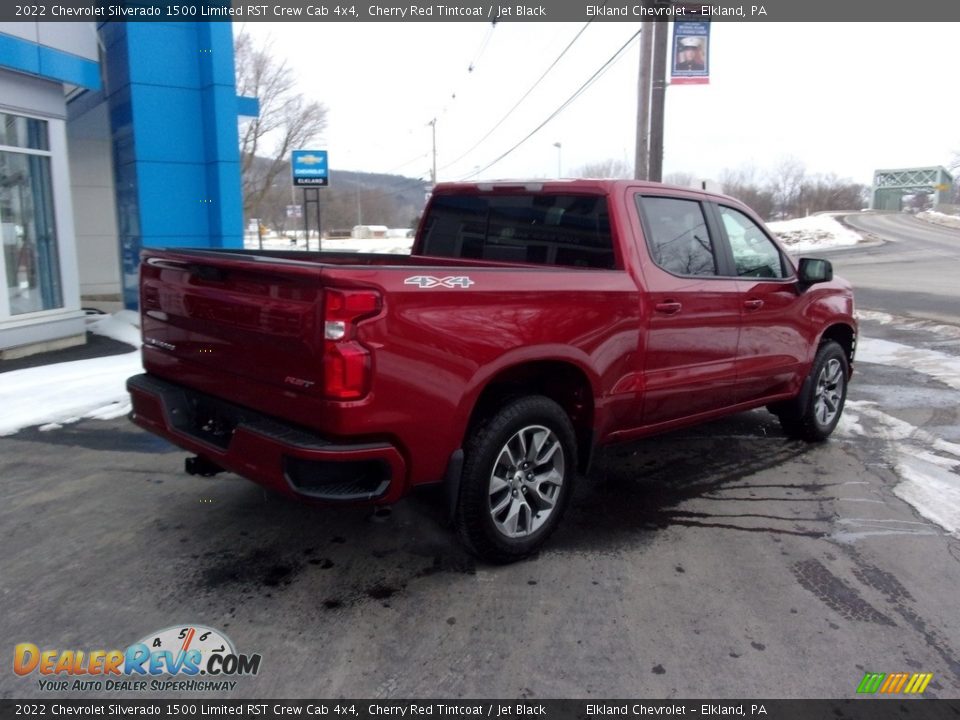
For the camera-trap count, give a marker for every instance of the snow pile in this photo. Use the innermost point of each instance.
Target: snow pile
(816, 232)
(123, 326)
(940, 218)
(51, 395)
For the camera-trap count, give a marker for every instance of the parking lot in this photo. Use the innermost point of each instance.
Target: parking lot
(724, 561)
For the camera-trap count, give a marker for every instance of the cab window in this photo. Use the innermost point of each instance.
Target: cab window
(754, 255)
(677, 236)
(542, 229)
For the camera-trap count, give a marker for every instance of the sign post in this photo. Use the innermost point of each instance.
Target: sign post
(310, 172)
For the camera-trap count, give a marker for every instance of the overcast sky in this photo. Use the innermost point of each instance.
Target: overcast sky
(843, 98)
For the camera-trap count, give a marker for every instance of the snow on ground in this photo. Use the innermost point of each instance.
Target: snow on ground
(933, 490)
(943, 367)
(392, 246)
(123, 326)
(816, 232)
(51, 395)
(941, 330)
(925, 464)
(940, 218)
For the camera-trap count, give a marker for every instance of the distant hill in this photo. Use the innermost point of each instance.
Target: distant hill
(406, 190)
(392, 200)
(352, 198)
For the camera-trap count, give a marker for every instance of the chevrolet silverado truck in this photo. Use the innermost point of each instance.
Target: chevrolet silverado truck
(533, 323)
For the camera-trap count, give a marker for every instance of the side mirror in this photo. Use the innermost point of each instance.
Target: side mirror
(815, 270)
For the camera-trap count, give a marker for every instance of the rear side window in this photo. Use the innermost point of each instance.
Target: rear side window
(570, 230)
(677, 235)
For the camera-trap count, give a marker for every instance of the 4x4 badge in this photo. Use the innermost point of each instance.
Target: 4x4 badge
(428, 281)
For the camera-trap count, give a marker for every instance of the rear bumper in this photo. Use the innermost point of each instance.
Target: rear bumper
(286, 458)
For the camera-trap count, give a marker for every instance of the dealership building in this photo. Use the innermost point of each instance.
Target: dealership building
(113, 137)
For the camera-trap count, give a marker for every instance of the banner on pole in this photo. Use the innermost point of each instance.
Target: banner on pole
(691, 53)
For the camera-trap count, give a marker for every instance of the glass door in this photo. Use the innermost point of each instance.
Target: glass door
(31, 266)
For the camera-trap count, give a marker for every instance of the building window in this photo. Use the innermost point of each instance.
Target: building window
(29, 234)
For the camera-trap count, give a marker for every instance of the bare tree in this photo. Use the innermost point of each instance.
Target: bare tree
(744, 185)
(286, 121)
(610, 168)
(828, 192)
(787, 181)
(349, 204)
(919, 202)
(788, 191)
(683, 179)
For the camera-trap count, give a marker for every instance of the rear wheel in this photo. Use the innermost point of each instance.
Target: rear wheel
(815, 412)
(517, 479)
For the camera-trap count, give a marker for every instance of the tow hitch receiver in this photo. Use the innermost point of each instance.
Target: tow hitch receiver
(198, 465)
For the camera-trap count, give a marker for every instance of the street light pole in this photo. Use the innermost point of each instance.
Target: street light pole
(559, 147)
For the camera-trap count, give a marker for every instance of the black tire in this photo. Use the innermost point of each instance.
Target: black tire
(814, 413)
(496, 471)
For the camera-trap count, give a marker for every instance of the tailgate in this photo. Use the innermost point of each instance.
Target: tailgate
(253, 318)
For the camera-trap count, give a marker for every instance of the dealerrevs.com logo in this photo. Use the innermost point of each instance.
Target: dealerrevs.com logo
(178, 658)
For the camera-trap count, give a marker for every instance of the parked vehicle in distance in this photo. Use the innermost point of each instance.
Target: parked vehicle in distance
(533, 323)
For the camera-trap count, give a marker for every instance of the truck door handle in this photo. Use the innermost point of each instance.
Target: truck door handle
(753, 304)
(668, 308)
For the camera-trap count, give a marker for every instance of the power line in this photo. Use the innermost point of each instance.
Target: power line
(483, 48)
(593, 78)
(525, 96)
(471, 66)
(421, 156)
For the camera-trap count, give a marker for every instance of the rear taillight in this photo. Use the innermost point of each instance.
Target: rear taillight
(346, 362)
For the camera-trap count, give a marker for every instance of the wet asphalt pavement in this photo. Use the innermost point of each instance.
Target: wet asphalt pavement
(719, 562)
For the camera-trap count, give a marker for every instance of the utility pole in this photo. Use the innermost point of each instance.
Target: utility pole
(558, 146)
(657, 97)
(641, 167)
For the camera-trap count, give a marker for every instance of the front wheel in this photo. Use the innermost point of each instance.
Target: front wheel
(815, 412)
(517, 479)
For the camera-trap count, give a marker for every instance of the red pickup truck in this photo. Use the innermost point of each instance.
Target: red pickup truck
(532, 323)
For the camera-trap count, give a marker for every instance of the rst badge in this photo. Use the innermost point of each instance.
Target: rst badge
(428, 281)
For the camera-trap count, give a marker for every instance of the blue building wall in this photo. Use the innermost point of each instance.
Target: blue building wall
(173, 113)
(48, 62)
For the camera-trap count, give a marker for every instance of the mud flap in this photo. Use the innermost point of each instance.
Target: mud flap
(451, 481)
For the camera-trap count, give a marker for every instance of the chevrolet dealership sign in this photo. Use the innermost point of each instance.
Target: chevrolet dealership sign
(310, 168)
